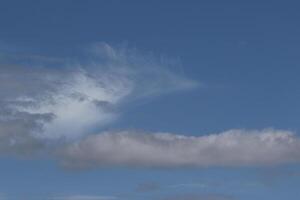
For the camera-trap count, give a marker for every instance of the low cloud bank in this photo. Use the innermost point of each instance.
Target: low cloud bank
(230, 148)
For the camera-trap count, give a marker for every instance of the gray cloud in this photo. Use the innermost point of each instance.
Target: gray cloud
(230, 148)
(15, 132)
(43, 105)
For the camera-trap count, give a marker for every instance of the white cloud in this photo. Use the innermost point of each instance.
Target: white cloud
(41, 105)
(70, 101)
(230, 148)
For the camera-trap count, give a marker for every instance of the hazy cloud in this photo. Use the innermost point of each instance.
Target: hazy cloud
(71, 100)
(230, 148)
(57, 109)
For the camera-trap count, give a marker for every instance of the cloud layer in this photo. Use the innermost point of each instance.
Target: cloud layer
(57, 110)
(230, 148)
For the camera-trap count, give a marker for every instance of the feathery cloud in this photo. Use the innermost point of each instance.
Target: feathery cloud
(39, 104)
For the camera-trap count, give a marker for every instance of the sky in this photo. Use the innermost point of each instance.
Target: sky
(149, 100)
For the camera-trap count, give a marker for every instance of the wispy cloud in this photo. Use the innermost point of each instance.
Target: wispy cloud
(56, 110)
(71, 100)
(230, 148)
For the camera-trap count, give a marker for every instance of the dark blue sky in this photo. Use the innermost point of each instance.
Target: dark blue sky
(243, 54)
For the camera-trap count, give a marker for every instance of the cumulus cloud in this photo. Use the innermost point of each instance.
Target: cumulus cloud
(230, 148)
(71, 100)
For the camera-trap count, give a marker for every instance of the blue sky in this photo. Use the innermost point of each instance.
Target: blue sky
(172, 100)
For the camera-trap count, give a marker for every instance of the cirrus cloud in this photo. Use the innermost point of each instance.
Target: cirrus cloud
(40, 104)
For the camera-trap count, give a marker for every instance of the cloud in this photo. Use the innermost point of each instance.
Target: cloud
(56, 110)
(230, 148)
(84, 197)
(14, 132)
(39, 104)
